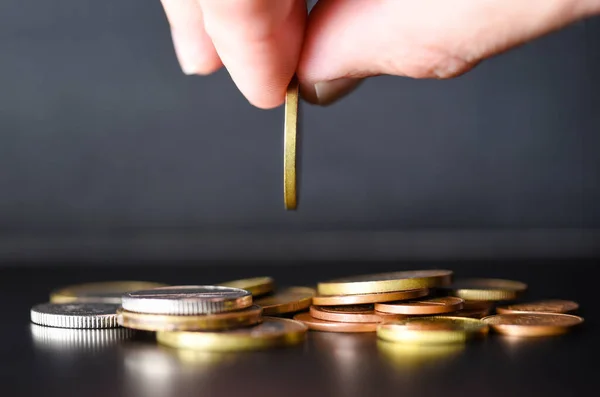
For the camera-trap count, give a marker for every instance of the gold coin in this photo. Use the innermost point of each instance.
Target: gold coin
(386, 282)
(288, 300)
(200, 322)
(432, 330)
(257, 286)
(545, 306)
(487, 289)
(272, 332)
(532, 324)
(290, 145)
(360, 299)
(100, 292)
(334, 326)
(446, 304)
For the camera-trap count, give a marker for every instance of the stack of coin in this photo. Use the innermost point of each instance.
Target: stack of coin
(362, 303)
(211, 318)
(188, 308)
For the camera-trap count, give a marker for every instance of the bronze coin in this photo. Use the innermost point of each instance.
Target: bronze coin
(350, 314)
(333, 326)
(475, 309)
(442, 305)
(360, 299)
(545, 306)
(532, 324)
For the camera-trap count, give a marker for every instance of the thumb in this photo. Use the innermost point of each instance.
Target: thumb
(349, 40)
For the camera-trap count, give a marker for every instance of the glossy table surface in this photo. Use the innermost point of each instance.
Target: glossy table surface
(39, 363)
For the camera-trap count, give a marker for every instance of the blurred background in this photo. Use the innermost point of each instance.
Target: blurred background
(109, 153)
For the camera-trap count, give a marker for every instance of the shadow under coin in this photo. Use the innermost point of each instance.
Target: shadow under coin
(349, 361)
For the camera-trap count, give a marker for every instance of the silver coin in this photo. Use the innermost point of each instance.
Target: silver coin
(187, 300)
(75, 315)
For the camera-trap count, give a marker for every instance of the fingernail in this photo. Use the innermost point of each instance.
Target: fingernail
(328, 92)
(187, 50)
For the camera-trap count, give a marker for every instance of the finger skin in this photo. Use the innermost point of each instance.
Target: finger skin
(193, 47)
(423, 39)
(259, 42)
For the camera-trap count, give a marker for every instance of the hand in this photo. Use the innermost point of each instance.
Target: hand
(263, 43)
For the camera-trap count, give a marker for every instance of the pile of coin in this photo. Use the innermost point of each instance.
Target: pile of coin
(229, 316)
(422, 307)
(426, 307)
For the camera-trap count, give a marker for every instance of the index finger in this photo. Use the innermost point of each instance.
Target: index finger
(259, 41)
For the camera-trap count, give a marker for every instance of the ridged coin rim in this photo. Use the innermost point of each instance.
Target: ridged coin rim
(41, 315)
(187, 305)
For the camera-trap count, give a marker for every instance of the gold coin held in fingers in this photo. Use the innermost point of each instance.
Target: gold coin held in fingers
(290, 145)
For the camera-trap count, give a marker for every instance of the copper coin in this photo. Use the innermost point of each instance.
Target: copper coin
(361, 299)
(350, 314)
(333, 326)
(532, 324)
(446, 304)
(475, 309)
(545, 306)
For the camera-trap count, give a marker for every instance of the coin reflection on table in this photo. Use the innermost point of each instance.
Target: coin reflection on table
(78, 340)
(407, 355)
(349, 360)
(151, 370)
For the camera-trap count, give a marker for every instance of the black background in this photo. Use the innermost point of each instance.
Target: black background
(108, 151)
